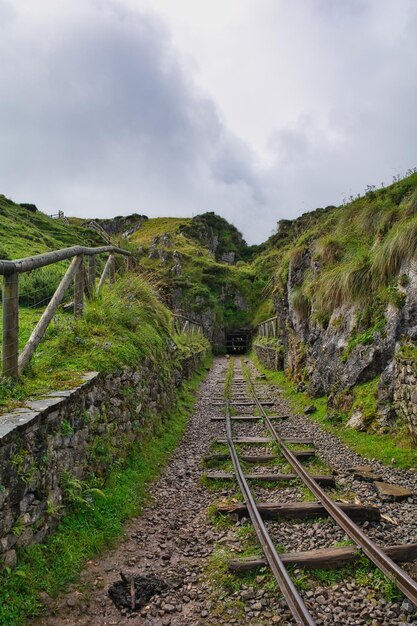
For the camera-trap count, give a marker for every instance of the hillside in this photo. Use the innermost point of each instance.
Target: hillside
(341, 280)
(24, 232)
(345, 292)
(200, 267)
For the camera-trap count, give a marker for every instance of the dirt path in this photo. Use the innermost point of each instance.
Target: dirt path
(170, 540)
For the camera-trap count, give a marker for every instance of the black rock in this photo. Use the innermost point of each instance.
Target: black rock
(310, 409)
(145, 587)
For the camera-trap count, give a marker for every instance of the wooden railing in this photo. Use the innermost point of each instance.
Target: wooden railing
(268, 328)
(12, 362)
(183, 324)
(93, 225)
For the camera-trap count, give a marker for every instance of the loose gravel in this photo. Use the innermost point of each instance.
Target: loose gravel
(175, 540)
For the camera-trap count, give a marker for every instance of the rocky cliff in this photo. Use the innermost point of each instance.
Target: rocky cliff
(345, 293)
(199, 266)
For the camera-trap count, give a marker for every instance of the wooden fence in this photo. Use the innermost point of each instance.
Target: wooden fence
(268, 328)
(183, 324)
(84, 281)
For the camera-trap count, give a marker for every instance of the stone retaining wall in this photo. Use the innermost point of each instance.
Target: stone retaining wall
(55, 442)
(405, 392)
(270, 357)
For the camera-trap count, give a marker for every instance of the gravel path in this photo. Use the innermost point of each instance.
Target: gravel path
(174, 538)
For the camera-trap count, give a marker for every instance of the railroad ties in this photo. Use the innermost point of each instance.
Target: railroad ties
(277, 462)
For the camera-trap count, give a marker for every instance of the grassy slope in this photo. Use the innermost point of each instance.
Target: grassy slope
(23, 233)
(358, 250)
(125, 323)
(158, 226)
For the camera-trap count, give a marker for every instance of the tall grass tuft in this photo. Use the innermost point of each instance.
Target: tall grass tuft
(300, 303)
(412, 205)
(346, 282)
(400, 246)
(329, 249)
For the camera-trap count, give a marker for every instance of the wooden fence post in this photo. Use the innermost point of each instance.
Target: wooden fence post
(79, 289)
(105, 273)
(112, 268)
(41, 327)
(10, 351)
(91, 280)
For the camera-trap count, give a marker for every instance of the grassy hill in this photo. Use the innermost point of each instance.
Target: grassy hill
(24, 233)
(352, 254)
(125, 323)
(201, 265)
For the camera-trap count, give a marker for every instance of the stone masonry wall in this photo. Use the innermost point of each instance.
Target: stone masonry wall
(65, 436)
(405, 392)
(270, 358)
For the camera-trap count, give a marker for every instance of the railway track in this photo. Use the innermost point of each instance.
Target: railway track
(241, 392)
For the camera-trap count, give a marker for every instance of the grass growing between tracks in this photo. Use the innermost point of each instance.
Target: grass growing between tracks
(90, 529)
(388, 448)
(227, 584)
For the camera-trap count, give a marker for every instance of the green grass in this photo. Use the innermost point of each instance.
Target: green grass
(89, 531)
(188, 344)
(383, 447)
(408, 351)
(124, 324)
(156, 227)
(358, 250)
(23, 233)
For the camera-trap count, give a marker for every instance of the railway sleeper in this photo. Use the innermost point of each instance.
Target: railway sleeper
(268, 440)
(261, 458)
(321, 479)
(249, 418)
(301, 510)
(325, 558)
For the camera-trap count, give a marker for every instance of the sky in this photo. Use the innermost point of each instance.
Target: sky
(258, 110)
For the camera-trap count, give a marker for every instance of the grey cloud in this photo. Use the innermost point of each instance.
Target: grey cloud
(103, 113)
(99, 117)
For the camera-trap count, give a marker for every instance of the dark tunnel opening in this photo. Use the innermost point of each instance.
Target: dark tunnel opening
(237, 341)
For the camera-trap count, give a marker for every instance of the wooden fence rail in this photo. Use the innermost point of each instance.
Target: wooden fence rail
(183, 324)
(12, 362)
(268, 328)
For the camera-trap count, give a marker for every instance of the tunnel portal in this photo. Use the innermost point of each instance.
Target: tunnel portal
(237, 341)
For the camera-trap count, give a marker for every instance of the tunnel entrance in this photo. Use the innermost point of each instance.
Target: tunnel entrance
(237, 341)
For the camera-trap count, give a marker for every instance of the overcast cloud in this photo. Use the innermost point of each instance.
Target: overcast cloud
(257, 110)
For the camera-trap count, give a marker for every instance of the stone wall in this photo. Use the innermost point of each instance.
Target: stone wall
(55, 442)
(405, 392)
(271, 358)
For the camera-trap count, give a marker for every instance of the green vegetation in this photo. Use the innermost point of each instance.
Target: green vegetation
(23, 233)
(387, 448)
(187, 259)
(270, 342)
(188, 344)
(358, 251)
(96, 520)
(125, 323)
(157, 227)
(408, 351)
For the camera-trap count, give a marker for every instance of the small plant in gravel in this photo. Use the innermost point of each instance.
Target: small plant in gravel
(219, 521)
(367, 575)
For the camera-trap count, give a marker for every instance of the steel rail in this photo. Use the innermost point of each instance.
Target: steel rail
(288, 589)
(403, 581)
